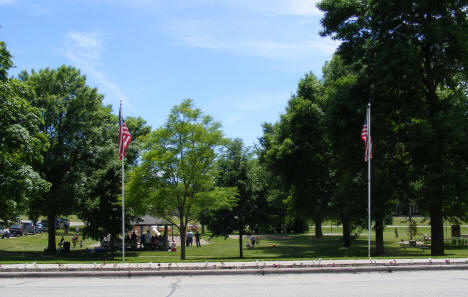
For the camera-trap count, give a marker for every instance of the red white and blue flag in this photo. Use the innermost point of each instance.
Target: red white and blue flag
(124, 135)
(365, 136)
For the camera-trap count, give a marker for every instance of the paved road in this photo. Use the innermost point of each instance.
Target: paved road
(414, 284)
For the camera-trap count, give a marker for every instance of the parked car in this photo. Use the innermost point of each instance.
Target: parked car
(17, 229)
(38, 227)
(62, 223)
(45, 225)
(4, 232)
(29, 228)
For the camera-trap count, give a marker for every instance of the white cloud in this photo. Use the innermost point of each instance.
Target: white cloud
(133, 3)
(272, 43)
(286, 7)
(84, 45)
(29, 7)
(274, 29)
(84, 51)
(236, 109)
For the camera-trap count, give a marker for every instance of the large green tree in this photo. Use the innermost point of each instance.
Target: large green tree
(414, 55)
(73, 121)
(176, 173)
(101, 208)
(297, 151)
(21, 144)
(233, 167)
(343, 121)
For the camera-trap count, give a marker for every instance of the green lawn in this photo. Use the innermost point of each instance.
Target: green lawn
(293, 247)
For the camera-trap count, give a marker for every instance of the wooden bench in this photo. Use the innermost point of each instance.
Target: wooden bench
(404, 245)
(418, 244)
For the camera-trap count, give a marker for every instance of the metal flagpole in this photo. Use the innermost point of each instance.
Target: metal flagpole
(123, 212)
(369, 140)
(123, 186)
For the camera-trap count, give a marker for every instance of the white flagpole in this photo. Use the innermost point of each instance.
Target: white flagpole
(123, 188)
(123, 212)
(369, 140)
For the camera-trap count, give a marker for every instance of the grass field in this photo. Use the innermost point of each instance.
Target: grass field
(29, 249)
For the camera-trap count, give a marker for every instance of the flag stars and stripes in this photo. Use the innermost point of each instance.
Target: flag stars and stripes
(124, 135)
(365, 136)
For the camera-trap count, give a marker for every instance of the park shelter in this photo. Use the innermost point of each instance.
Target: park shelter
(147, 222)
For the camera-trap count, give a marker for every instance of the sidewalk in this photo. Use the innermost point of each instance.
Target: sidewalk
(220, 268)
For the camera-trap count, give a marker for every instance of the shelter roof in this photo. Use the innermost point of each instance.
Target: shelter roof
(148, 220)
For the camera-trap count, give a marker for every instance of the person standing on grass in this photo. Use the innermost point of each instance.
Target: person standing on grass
(252, 239)
(396, 232)
(60, 244)
(190, 237)
(197, 238)
(148, 239)
(75, 239)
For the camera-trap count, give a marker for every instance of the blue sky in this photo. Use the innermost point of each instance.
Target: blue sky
(240, 60)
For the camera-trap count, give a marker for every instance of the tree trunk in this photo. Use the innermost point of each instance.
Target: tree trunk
(379, 243)
(203, 229)
(113, 245)
(346, 235)
(182, 229)
(51, 248)
(318, 229)
(437, 229)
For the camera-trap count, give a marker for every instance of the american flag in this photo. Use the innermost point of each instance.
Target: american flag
(124, 135)
(365, 136)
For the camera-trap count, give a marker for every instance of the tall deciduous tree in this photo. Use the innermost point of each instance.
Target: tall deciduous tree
(73, 116)
(414, 54)
(343, 123)
(21, 144)
(234, 171)
(176, 171)
(298, 151)
(101, 208)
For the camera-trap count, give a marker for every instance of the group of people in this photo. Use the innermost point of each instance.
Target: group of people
(149, 241)
(74, 241)
(189, 238)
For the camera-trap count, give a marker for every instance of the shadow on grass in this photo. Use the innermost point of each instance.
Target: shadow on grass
(310, 247)
(307, 247)
(295, 247)
(35, 256)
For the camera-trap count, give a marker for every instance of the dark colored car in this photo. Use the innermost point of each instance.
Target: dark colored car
(29, 228)
(17, 229)
(45, 225)
(38, 227)
(62, 223)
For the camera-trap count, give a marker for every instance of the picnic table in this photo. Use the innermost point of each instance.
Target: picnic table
(413, 243)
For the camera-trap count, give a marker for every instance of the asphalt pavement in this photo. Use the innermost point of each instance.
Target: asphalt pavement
(402, 284)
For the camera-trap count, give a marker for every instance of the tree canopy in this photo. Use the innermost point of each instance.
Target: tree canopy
(73, 122)
(413, 57)
(176, 172)
(21, 145)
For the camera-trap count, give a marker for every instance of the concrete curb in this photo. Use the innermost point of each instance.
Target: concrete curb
(229, 271)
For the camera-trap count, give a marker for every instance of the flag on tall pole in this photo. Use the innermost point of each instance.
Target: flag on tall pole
(366, 137)
(124, 135)
(124, 141)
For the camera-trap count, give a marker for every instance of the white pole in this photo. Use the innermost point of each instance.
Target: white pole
(369, 178)
(123, 212)
(123, 188)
